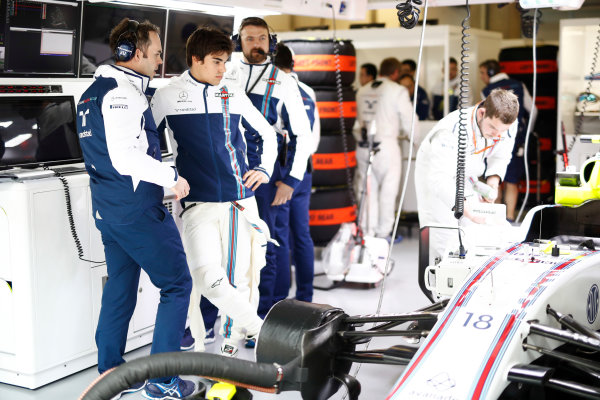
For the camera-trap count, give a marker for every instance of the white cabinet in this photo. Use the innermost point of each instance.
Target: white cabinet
(577, 44)
(49, 317)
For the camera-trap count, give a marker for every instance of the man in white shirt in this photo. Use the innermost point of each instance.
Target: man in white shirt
(491, 127)
(383, 108)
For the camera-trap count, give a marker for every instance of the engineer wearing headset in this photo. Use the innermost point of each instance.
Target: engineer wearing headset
(277, 97)
(121, 150)
(489, 72)
(491, 126)
(223, 236)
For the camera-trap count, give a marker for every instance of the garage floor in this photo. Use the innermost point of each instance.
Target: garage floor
(401, 294)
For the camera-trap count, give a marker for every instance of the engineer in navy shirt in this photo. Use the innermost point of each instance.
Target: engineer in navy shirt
(121, 150)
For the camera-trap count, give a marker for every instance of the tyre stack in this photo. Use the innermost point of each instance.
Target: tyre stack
(517, 62)
(315, 64)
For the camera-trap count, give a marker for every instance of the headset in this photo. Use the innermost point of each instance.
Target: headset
(492, 68)
(237, 40)
(125, 47)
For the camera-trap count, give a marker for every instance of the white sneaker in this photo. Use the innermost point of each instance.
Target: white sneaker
(135, 388)
(229, 350)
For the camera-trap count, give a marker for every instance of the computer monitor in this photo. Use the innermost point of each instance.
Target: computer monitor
(38, 130)
(39, 37)
(181, 24)
(99, 19)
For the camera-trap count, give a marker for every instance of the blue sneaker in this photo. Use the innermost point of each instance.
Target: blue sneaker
(176, 389)
(210, 336)
(134, 388)
(187, 341)
(250, 342)
(397, 240)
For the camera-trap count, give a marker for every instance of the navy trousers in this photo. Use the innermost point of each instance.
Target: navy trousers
(292, 218)
(268, 275)
(209, 313)
(152, 243)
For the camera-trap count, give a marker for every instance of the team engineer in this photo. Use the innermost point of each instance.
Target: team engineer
(121, 150)
(491, 128)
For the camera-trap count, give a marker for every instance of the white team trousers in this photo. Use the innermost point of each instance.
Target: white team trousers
(225, 258)
(383, 186)
(432, 205)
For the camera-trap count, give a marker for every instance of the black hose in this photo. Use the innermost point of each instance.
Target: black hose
(169, 364)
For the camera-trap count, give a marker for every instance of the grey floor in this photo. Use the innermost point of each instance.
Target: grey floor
(401, 294)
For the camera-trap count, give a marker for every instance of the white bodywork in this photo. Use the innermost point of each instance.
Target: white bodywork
(479, 336)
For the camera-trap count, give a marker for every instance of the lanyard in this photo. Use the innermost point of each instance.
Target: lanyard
(475, 135)
(257, 79)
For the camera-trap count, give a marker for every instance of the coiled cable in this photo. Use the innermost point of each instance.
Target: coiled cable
(408, 14)
(72, 227)
(463, 100)
(340, 98)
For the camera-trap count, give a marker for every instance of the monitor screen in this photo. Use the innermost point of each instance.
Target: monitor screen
(39, 37)
(38, 130)
(180, 27)
(99, 19)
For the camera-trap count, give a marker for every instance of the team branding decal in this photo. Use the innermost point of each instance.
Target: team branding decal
(371, 104)
(223, 94)
(83, 116)
(271, 81)
(592, 304)
(85, 134)
(183, 97)
(187, 109)
(87, 100)
(119, 106)
(442, 381)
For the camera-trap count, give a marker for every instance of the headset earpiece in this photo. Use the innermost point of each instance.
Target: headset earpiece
(272, 43)
(125, 47)
(237, 42)
(492, 68)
